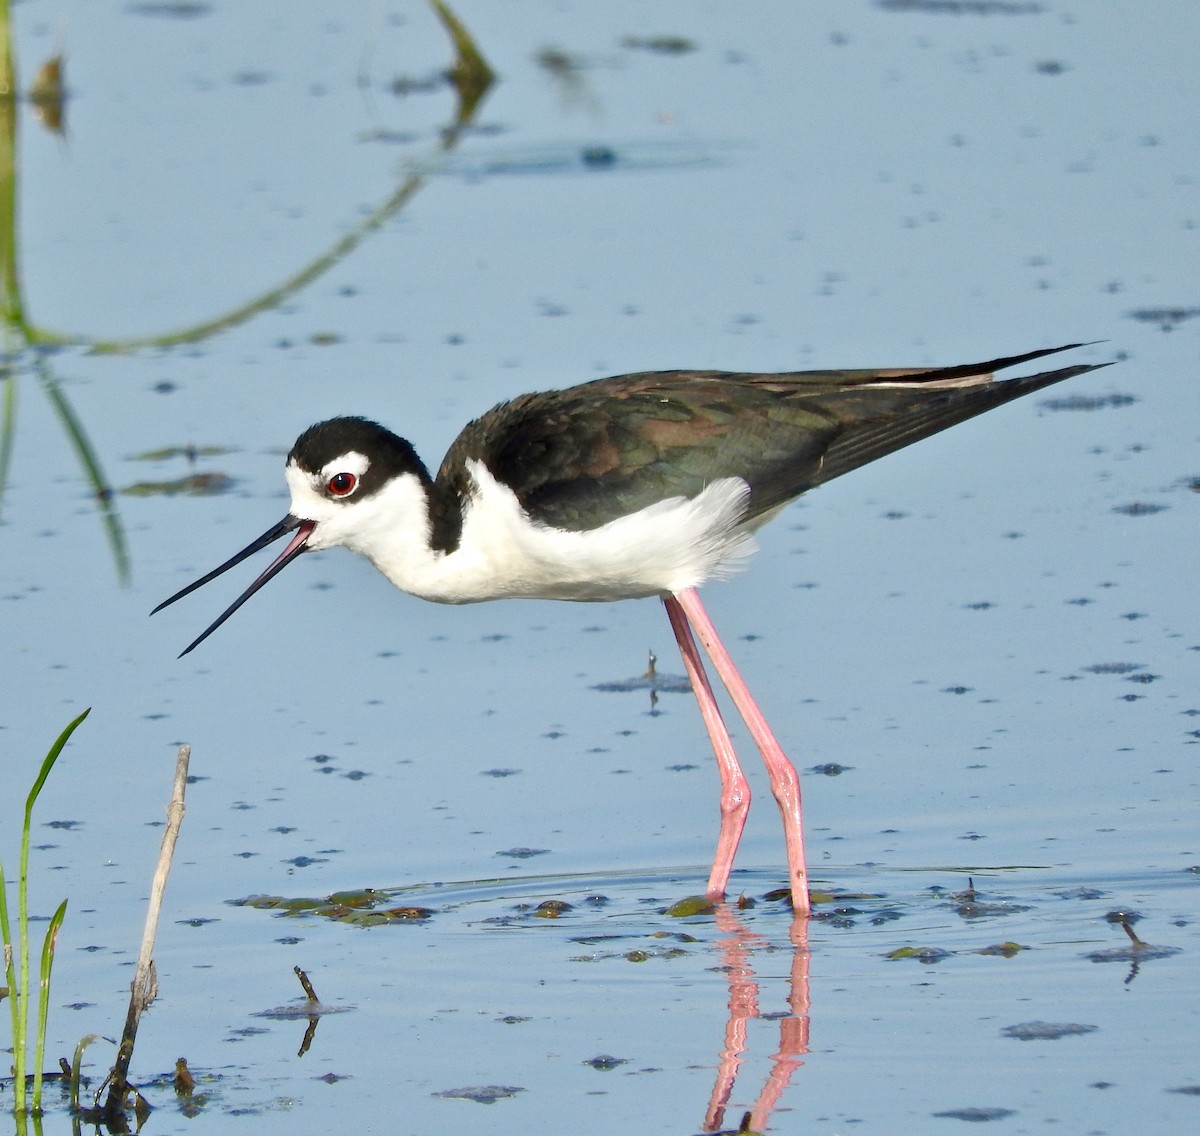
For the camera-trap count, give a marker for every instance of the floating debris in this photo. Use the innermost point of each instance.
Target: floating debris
(1046, 1031)
(175, 9)
(551, 909)
(661, 44)
(1132, 952)
(298, 1011)
(481, 1094)
(964, 7)
(658, 953)
(690, 906)
(1167, 318)
(1137, 950)
(523, 853)
(974, 909)
(650, 679)
(1088, 402)
(1003, 950)
(1139, 509)
(364, 907)
(976, 1115)
(604, 1062)
(926, 955)
(1082, 892)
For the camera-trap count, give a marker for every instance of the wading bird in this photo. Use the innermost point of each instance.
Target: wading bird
(633, 486)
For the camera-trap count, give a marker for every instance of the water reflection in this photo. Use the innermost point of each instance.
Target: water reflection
(24, 343)
(29, 345)
(1044, 755)
(589, 915)
(738, 946)
(566, 158)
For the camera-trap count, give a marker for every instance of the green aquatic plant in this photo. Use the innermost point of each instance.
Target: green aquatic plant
(16, 956)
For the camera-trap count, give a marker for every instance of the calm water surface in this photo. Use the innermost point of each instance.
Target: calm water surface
(278, 213)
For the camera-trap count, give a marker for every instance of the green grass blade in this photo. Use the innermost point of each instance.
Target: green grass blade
(39, 1045)
(48, 764)
(8, 424)
(14, 991)
(77, 1066)
(20, 991)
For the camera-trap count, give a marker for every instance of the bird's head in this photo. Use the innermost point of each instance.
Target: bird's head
(339, 474)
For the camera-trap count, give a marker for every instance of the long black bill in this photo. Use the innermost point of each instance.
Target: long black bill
(295, 546)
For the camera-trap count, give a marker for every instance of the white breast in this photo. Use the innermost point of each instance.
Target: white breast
(671, 545)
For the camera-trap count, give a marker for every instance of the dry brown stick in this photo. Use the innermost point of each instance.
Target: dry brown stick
(144, 987)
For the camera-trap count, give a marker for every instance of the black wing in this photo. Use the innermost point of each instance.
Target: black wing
(581, 457)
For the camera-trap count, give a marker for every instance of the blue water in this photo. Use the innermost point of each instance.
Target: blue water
(995, 631)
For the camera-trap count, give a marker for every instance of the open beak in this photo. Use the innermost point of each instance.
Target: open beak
(296, 545)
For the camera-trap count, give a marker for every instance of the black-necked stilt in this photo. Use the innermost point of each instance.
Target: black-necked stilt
(633, 486)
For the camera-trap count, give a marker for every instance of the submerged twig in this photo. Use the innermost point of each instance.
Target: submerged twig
(1127, 926)
(145, 981)
(309, 992)
(314, 1002)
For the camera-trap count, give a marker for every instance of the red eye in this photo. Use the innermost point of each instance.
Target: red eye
(341, 484)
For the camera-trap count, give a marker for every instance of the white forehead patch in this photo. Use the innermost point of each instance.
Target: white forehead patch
(352, 462)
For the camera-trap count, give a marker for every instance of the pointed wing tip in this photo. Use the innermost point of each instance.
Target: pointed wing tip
(1013, 360)
(1073, 346)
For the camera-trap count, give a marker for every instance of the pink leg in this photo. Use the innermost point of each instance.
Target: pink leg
(735, 791)
(785, 783)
